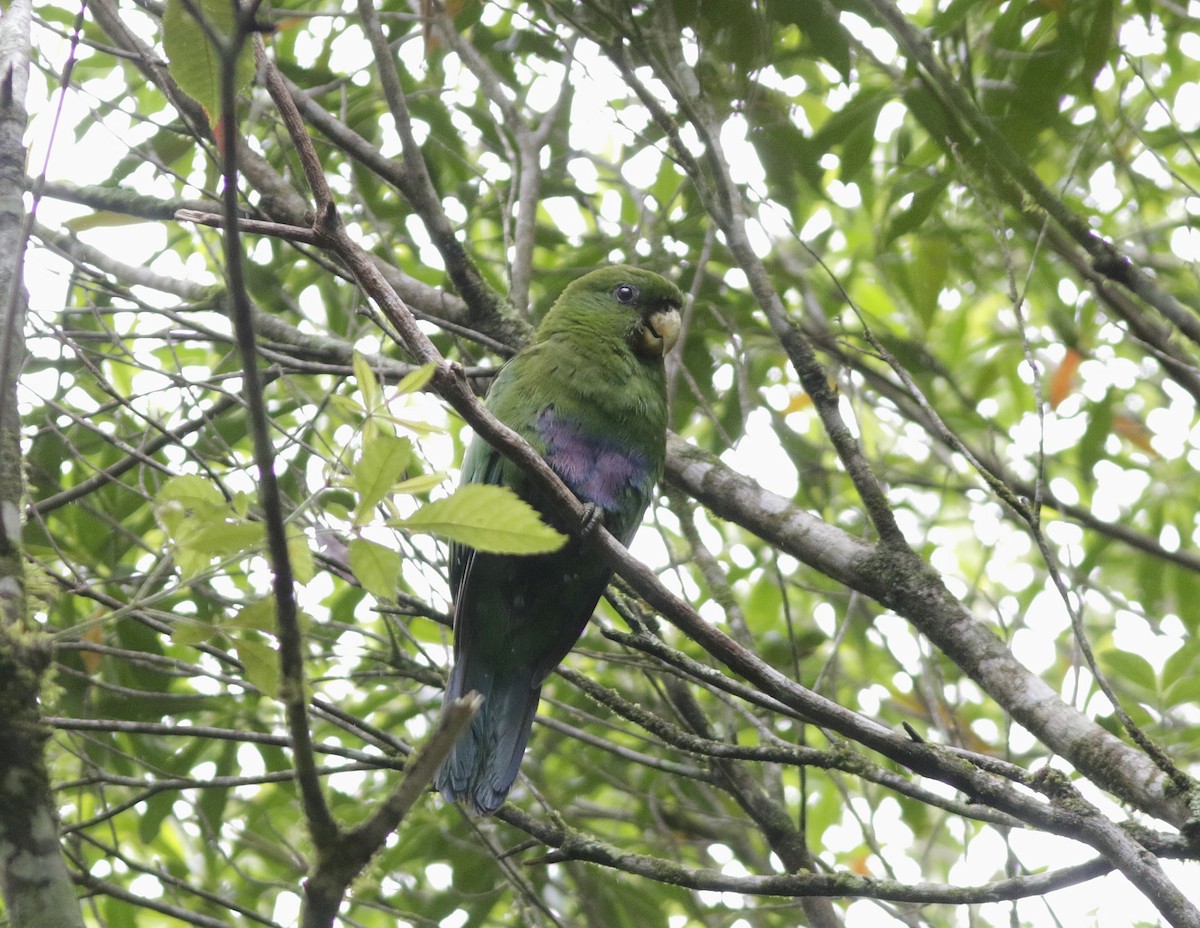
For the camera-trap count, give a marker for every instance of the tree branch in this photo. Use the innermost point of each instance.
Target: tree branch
(34, 883)
(574, 845)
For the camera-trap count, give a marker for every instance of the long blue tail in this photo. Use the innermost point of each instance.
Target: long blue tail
(482, 766)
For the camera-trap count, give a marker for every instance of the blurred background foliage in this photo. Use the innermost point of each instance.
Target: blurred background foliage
(906, 248)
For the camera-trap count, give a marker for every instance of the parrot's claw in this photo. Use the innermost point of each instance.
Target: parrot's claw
(592, 519)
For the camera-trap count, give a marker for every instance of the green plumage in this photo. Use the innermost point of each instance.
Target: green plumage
(589, 394)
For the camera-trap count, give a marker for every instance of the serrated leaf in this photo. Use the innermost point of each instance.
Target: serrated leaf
(193, 59)
(383, 460)
(487, 518)
(190, 562)
(376, 567)
(347, 404)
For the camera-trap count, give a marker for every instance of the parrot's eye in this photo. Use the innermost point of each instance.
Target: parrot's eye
(625, 293)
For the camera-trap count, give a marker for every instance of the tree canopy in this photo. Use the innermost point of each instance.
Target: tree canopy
(909, 636)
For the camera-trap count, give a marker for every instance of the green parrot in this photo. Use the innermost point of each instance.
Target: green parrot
(589, 393)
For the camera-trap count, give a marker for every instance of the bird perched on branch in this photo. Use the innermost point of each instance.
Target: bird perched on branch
(589, 394)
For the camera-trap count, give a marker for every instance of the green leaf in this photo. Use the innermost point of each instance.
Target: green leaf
(261, 661)
(193, 492)
(194, 61)
(1099, 40)
(422, 483)
(383, 460)
(1183, 690)
(101, 219)
(300, 554)
(188, 632)
(918, 210)
(223, 539)
(929, 273)
(487, 518)
(368, 385)
(1124, 668)
(1091, 445)
(258, 615)
(376, 567)
(152, 816)
(1185, 588)
(416, 380)
(1183, 663)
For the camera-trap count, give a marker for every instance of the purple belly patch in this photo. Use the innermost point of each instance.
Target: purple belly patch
(593, 466)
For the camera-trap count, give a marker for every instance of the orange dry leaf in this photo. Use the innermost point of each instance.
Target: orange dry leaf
(90, 659)
(291, 22)
(1134, 432)
(218, 128)
(799, 401)
(1062, 383)
(453, 8)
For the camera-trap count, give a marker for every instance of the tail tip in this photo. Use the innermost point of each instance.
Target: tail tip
(480, 799)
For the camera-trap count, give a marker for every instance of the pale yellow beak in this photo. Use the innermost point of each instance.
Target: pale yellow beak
(658, 334)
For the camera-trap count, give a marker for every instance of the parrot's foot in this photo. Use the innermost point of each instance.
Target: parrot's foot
(592, 519)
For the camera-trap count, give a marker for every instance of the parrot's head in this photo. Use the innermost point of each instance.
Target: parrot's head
(640, 305)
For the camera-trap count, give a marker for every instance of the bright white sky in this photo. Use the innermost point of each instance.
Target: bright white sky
(1109, 903)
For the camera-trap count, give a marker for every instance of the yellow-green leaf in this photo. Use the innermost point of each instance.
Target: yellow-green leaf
(261, 662)
(259, 615)
(190, 632)
(195, 493)
(487, 518)
(300, 554)
(101, 219)
(376, 567)
(422, 483)
(383, 460)
(415, 380)
(193, 59)
(222, 539)
(368, 386)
